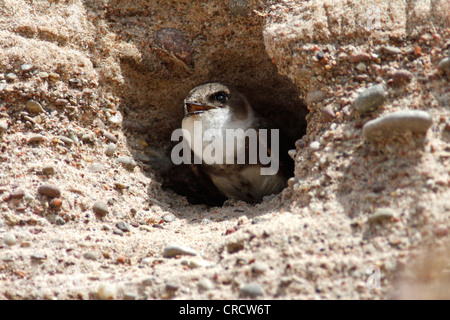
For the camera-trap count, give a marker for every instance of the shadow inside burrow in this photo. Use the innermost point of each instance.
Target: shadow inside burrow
(157, 75)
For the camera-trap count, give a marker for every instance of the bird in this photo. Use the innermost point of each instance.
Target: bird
(218, 107)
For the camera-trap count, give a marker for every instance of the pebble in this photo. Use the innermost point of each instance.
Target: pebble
(382, 214)
(441, 231)
(315, 145)
(36, 138)
(26, 67)
(49, 190)
(106, 292)
(87, 138)
(39, 257)
(54, 76)
(17, 194)
(130, 296)
(118, 232)
(328, 112)
(205, 284)
(415, 121)
(390, 50)
(315, 96)
(172, 250)
(100, 208)
(259, 267)
(60, 221)
(444, 66)
(370, 99)
(401, 77)
(9, 239)
(110, 149)
(168, 218)
(127, 162)
(43, 74)
(173, 41)
(239, 7)
(34, 107)
(90, 256)
(110, 137)
(67, 141)
(48, 169)
(11, 76)
(3, 125)
(123, 226)
(359, 57)
(251, 290)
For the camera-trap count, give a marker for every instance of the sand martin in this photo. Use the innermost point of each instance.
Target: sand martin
(219, 107)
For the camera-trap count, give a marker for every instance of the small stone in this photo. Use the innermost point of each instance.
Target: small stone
(67, 141)
(415, 121)
(26, 67)
(87, 138)
(441, 231)
(401, 77)
(54, 76)
(56, 203)
(43, 74)
(110, 149)
(381, 215)
(118, 232)
(100, 208)
(444, 66)
(205, 284)
(61, 102)
(359, 57)
(370, 99)
(60, 221)
(36, 138)
(196, 263)
(239, 7)
(328, 112)
(361, 67)
(34, 107)
(49, 190)
(17, 194)
(38, 257)
(259, 267)
(11, 76)
(123, 226)
(127, 162)
(112, 138)
(9, 239)
(48, 169)
(106, 292)
(168, 218)
(315, 96)
(251, 290)
(130, 296)
(90, 256)
(3, 125)
(315, 145)
(174, 42)
(172, 250)
(292, 181)
(390, 50)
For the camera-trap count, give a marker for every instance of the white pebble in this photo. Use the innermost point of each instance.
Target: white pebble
(10, 239)
(106, 292)
(315, 145)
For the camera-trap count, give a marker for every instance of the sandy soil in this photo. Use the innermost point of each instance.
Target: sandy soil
(90, 92)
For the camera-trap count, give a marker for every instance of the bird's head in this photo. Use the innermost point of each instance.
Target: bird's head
(213, 96)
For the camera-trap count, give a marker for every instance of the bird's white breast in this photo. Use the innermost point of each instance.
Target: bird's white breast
(215, 122)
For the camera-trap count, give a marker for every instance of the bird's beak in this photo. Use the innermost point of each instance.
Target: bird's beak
(195, 108)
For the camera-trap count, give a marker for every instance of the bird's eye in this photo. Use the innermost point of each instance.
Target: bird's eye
(220, 96)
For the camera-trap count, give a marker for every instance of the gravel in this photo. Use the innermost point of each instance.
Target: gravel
(100, 208)
(408, 120)
(172, 250)
(370, 99)
(49, 190)
(251, 290)
(9, 239)
(34, 107)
